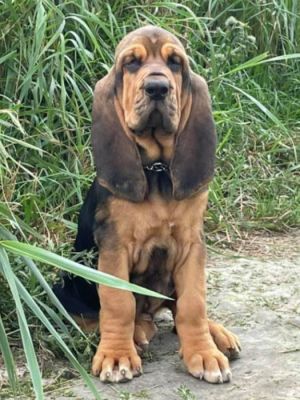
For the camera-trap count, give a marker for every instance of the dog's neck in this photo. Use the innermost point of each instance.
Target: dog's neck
(155, 146)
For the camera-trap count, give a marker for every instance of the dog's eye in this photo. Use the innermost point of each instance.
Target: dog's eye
(133, 64)
(174, 63)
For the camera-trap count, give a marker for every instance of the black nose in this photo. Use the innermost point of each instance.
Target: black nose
(157, 89)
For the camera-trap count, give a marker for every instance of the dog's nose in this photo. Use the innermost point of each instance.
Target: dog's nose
(156, 89)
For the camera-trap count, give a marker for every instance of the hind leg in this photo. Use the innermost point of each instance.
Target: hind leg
(144, 331)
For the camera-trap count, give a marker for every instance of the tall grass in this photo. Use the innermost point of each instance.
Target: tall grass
(51, 55)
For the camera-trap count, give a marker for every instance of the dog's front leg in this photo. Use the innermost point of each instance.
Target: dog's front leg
(116, 359)
(199, 352)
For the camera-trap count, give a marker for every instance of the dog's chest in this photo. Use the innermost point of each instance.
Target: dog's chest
(157, 235)
(154, 253)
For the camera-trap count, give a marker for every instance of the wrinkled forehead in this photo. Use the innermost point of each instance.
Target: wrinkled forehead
(150, 37)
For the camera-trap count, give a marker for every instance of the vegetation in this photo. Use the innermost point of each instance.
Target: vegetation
(51, 55)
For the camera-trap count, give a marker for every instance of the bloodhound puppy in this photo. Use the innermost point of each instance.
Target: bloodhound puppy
(154, 145)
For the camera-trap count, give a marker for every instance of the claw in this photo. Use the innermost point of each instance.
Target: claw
(227, 375)
(213, 377)
(137, 371)
(198, 375)
(106, 377)
(233, 354)
(144, 346)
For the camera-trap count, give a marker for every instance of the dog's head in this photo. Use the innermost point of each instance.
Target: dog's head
(151, 91)
(152, 71)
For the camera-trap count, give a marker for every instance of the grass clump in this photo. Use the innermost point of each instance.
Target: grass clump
(51, 55)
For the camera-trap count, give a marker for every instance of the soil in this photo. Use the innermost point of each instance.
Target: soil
(254, 291)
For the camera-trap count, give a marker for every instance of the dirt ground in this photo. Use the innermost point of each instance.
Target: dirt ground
(255, 292)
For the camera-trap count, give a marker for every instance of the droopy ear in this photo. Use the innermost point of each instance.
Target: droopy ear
(117, 160)
(192, 166)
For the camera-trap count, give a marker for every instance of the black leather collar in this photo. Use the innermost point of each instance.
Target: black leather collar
(157, 167)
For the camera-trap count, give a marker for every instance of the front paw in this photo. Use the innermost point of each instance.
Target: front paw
(116, 364)
(208, 363)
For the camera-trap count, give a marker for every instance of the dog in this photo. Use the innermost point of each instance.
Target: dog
(154, 142)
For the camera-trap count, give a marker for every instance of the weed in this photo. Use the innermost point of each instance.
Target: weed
(185, 393)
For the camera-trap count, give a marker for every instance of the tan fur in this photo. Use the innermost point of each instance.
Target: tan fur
(173, 224)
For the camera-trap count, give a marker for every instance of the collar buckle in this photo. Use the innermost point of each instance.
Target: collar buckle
(157, 167)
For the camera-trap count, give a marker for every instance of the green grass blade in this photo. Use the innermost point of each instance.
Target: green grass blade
(34, 269)
(262, 107)
(32, 362)
(8, 358)
(285, 57)
(7, 56)
(19, 142)
(259, 60)
(253, 62)
(16, 222)
(28, 299)
(55, 260)
(4, 233)
(56, 319)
